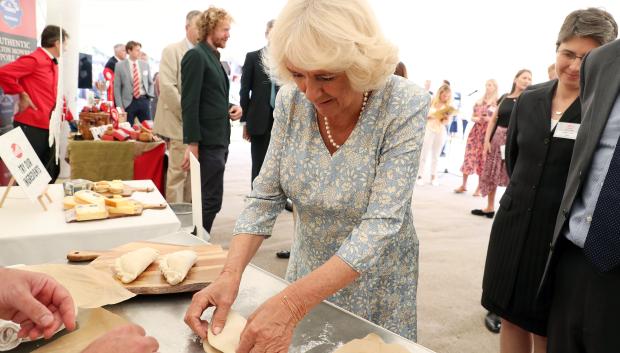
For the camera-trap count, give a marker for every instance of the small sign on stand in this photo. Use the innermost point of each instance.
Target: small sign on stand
(194, 167)
(25, 167)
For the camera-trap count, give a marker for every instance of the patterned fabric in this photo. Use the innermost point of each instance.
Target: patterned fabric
(494, 173)
(136, 81)
(473, 163)
(355, 204)
(602, 245)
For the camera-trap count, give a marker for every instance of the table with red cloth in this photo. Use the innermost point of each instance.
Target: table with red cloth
(127, 160)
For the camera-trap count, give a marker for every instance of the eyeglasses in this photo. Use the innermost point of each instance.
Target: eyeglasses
(569, 55)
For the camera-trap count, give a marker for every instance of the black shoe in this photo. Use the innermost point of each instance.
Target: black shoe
(492, 322)
(479, 212)
(283, 254)
(289, 205)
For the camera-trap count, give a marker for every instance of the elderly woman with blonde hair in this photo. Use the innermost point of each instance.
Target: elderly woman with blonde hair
(345, 146)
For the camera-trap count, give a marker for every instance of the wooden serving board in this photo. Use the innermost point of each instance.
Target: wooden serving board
(128, 191)
(210, 262)
(71, 217)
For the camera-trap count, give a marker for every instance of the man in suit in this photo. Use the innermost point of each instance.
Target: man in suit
(206, 110)
(582, 271)
(133, 84)
(34, 77)
(168, 119)
(119, 55)
(257, 96)
(108, 72)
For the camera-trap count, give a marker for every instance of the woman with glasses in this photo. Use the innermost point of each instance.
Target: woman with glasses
(543, 127)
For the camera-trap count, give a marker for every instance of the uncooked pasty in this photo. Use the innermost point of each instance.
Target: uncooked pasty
(372, 343)
(176, 265)
(228, 340)
(130, 265)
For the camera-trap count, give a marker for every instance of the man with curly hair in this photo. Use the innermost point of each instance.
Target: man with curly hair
(206, 110)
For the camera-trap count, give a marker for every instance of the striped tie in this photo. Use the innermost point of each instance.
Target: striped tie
(136, 81)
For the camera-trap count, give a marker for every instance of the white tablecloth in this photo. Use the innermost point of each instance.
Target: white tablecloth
(30, 235)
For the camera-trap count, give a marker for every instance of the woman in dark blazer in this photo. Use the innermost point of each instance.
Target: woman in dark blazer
(542, 130)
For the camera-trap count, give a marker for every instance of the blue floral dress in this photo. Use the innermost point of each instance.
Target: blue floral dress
(354, 204)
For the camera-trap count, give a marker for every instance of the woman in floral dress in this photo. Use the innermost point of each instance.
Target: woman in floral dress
(474, 156)
(344, 148)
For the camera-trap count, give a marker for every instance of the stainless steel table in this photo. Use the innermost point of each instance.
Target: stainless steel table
(323, 330)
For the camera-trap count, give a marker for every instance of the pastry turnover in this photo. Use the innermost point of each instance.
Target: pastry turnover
(176, 265)
(130, 265)
(227, 341)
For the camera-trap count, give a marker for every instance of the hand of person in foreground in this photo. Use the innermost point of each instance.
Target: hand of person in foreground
(270, 328)
(193, 149)
(235, 112)
(487, 147)
(35, 301)
(246, 135)
(124, 339)
(221, 294)
(25, 102)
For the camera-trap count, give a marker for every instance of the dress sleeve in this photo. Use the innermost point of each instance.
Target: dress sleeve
(267, 198)
(392, 188)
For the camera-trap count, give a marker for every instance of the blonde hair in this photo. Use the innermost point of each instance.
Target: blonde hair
(338, 36)
(440, 91)
(494, 98)
(209, 19)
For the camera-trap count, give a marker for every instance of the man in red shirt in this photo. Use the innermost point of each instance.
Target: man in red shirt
(34, 77)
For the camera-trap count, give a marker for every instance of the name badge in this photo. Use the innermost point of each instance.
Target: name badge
(566, 130)
(502, 150)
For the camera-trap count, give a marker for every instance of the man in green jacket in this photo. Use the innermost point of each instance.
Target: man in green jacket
(206, 110)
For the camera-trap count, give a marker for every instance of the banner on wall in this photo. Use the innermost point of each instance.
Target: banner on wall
(18, 36)
(17, 29)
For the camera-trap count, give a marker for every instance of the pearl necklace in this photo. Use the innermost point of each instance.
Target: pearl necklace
(328, 130)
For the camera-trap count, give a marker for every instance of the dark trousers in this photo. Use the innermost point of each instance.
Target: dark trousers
(585, 307)
(39, 139)
(140, 108)
(212, 164)
(259, 145)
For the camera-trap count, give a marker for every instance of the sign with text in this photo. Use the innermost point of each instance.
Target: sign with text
(17, 29)
(23, 163)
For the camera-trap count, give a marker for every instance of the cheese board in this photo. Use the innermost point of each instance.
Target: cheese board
(210, 262)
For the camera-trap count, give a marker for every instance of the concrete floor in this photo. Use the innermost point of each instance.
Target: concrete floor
(453, 247)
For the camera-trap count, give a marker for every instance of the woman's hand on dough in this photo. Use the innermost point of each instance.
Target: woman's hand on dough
(221, 294)
(270, 328)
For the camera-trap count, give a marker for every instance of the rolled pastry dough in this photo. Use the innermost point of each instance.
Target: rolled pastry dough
(176, 265)
(372, 343)
(130, 265)
(228, 340)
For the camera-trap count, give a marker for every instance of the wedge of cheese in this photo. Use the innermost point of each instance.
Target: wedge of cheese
(90, 212)
(130, 265)
(117, 201)
(101, 186)
(176, 265)
(129, 207)
(68, 202)
(89, 197)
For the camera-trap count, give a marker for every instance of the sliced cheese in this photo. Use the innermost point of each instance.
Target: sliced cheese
(117, 201)
(130, 265)
(176, 265)
(68, 202)
(90, 212)
(101, 186)
(88, 197)
(129, 207)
